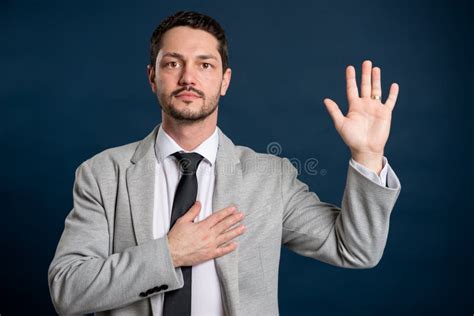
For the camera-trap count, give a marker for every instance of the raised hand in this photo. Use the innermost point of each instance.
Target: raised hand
(366, 127)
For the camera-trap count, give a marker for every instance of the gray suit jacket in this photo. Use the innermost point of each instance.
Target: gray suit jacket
(108, 262)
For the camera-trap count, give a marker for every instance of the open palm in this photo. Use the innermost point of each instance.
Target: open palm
(366, 127)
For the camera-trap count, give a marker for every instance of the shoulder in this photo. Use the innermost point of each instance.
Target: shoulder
(110, 161)
(251, 161)
(257, 162)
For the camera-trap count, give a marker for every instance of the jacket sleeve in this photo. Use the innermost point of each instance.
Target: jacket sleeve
(353, 236)
(84, 276)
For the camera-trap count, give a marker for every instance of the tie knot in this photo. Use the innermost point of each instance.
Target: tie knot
(188, 162)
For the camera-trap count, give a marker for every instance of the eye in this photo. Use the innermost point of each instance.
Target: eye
(172, 64)
(207, 65)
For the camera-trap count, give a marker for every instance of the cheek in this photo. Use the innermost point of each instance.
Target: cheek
(209, 78)
(210, 82)
(165, 84)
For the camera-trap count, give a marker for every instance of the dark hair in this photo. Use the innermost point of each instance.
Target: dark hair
(196, 21)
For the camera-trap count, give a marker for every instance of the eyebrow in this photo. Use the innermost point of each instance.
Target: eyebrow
(179, 56)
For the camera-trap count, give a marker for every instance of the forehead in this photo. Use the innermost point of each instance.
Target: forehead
(188, 42)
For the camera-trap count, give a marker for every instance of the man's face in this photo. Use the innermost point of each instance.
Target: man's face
(187, 77)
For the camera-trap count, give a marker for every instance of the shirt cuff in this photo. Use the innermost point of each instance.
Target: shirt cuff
(382, 179)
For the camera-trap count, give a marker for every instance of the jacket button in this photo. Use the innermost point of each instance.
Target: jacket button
(156, 289)
(164, 287)
(142, 294)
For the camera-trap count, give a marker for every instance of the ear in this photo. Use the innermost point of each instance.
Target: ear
(226, 81)
(151, 77)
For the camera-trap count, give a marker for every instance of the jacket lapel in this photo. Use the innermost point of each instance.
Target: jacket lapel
(141, 186)
(141, 190)
(228, 181)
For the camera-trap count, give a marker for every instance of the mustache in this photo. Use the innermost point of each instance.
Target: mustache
(188, 88)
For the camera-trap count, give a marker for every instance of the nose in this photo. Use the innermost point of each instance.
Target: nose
(187, 76)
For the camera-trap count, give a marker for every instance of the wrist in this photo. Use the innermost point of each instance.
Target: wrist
(372, 161)
(173, 254)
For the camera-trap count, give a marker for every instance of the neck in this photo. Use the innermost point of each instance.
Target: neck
(189, 135)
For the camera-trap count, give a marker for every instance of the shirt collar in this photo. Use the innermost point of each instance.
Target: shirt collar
(165, 146)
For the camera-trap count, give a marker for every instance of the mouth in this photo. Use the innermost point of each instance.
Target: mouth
(188, 96)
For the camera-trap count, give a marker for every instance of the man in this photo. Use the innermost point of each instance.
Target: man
(185, 222)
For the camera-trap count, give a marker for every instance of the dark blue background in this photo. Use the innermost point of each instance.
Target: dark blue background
(73, 83)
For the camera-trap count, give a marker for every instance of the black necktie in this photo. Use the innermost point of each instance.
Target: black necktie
(178, 302)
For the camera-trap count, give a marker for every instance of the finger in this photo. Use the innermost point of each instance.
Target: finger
(230, 234)
(227, 222)
(376, 82)
(225, 249)
(219, 216)
(365, 85)
(334, 112)
(392, 96)
(193, 212)
(351, 84)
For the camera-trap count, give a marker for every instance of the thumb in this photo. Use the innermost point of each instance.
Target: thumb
(334, 111)
(193, 212)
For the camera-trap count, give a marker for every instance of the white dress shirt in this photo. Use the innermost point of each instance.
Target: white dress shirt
(205, 291)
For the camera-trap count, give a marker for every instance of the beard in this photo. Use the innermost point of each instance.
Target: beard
(187, 115)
